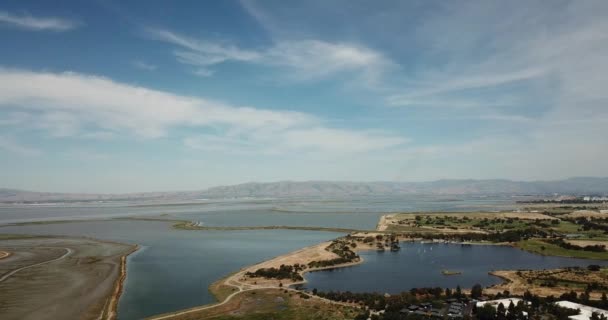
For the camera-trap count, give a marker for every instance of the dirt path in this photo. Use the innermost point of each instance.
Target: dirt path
(4, 254)
(68, 251)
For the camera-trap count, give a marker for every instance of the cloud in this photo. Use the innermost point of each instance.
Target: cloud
(308, 58)
(316, 140)
(71, 104)
(28, 22)
(337, 140)
(202, 72)
(202, 52)
(144, 65)
(10, 145)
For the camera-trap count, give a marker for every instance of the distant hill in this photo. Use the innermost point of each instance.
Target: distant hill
(572, 186)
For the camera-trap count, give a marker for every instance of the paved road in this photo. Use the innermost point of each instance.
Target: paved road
(68, 251)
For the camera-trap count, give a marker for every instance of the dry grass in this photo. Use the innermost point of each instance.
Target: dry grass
(302, 256)
(272, 304)
(584, 214)
(562, 280)
(584, 243)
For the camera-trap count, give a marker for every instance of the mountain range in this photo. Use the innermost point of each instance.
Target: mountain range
(283, 189)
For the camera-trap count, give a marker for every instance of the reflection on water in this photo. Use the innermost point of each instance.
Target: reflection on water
(419, 265)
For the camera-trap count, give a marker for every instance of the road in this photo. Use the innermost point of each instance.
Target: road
(68, 251)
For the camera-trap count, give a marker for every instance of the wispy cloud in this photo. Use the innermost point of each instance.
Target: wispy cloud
(144, 65)
(28, 22)
(307, 58)
(202, 72)
(67, 103)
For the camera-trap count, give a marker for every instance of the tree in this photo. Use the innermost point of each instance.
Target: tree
(476, 291)
(458, 293)
(511, 312)
(448, 292)
(487, 312)
(501, 311)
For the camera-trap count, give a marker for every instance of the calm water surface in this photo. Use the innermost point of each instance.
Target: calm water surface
(359, 213)
(419, 265)
(174, 268)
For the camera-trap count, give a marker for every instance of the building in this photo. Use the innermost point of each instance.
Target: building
(586, 311)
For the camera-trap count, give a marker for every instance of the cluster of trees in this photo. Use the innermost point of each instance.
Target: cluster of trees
(394, 303)
(342, 248)
(566, 245)
(584, 298)
(512, 312)
(283, 272)
(593, 224)
(507, 236)
(328, 263)
(535, 306)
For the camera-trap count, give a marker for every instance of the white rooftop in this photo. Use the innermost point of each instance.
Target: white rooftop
(505, 302)
(585, 310)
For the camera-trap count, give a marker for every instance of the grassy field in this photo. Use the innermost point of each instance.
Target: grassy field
(220, 291)
(273, 304)
(544, 248)
(439, 222)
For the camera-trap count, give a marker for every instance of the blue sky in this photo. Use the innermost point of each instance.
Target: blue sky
(115, 96)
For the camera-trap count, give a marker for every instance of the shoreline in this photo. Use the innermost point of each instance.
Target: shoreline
(111, 310)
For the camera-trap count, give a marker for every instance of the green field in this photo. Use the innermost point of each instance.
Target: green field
(544, 248)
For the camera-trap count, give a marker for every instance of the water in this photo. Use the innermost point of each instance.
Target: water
(174, 268)
(419, 265)
(364, 211)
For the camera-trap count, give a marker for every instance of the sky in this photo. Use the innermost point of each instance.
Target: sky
(128, 96)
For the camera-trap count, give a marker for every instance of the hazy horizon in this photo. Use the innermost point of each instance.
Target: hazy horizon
(311, 181)
(122, 97)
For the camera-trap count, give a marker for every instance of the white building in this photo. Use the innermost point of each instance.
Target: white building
(586, 311)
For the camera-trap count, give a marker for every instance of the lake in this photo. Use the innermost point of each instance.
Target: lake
(419, 265)
(174, 268)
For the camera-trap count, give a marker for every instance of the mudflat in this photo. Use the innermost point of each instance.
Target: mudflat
(60, 278)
